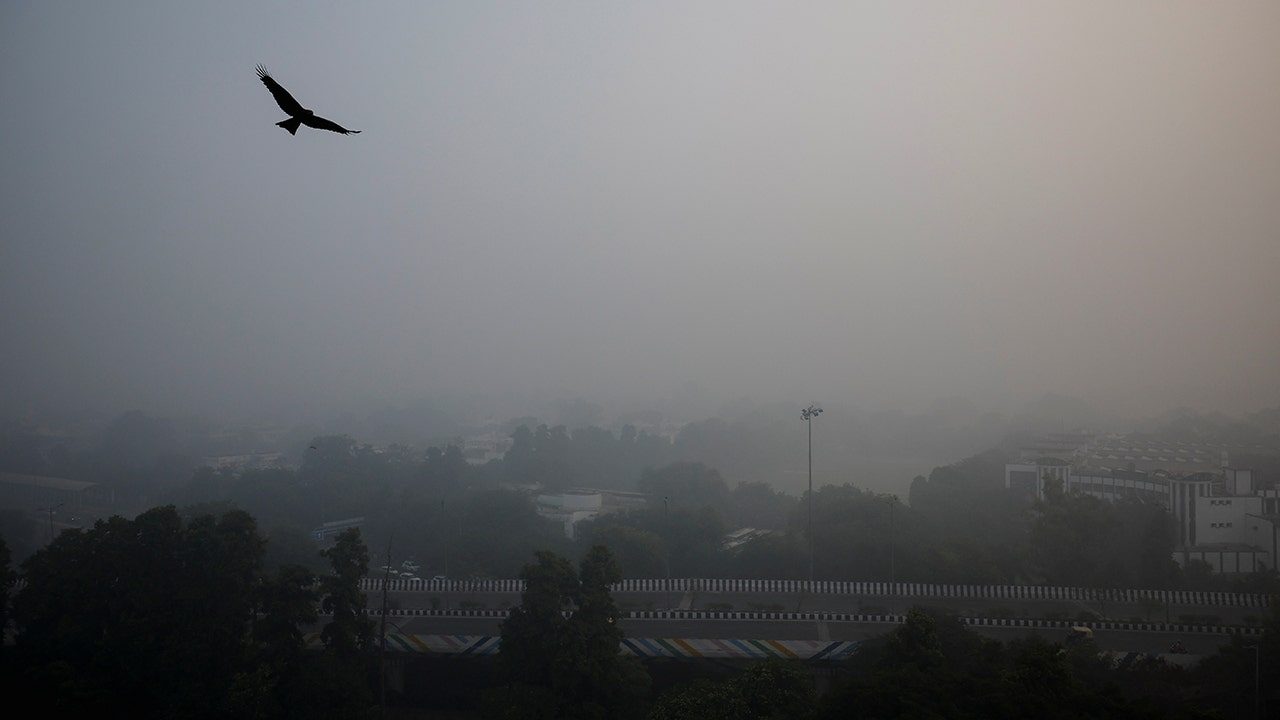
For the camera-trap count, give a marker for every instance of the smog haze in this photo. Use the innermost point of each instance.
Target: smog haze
(645, 204)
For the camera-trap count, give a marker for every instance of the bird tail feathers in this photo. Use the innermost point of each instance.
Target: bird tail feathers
(291, 125)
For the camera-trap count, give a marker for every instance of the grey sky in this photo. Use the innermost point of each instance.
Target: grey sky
(869, 202)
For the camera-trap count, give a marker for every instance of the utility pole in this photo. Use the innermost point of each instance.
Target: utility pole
(382, 636)
(666, 545)
(51, 510)
(809, 414)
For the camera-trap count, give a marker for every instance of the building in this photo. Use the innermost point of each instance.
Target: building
(1223, 518)
(247, 461)
(481, 449)
(55, 504)
(573, 506)
(74, 497)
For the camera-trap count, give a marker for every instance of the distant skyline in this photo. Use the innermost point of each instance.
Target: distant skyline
(649, 204)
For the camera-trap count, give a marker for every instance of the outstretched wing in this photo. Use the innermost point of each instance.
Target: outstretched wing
(282, 96)
(320, 123)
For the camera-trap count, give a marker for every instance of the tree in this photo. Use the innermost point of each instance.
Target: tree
(1074, 540)
(444, 471)
(759, 506)
(552, 468)
(781, 557)
(968, 528)
(344, 478)
(349, 632)
(686, 484)
(603, 683)
(703, 699)
(857, 522)
(337, 683)
(1156, 567)
(690, 539)
(640, 553)
(931, 667)
(596, 456)
(541, 457)
(532, 657)
(566, 667)
(144, 616)
(767, 689)
(7, 579)
(494, 530)
(286, 605)
(517, 463)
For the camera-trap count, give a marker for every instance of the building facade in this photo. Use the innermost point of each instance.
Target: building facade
(1222, 517)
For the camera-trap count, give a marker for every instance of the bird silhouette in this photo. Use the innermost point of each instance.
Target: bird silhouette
(298, 115)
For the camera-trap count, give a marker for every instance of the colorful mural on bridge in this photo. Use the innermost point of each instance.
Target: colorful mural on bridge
(640, 647)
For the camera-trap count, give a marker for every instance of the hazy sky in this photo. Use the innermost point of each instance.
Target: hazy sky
(869, 202)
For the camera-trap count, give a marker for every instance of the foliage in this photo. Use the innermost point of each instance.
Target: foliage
(688, 541)
(540, 458)
(767, 689)
(1079, 540)
(532, 653)
(566, 667)
(772, 556)
(968, 528)
(1073, 540)
(144, 614)
(495, 529)
(602, 683)
(640, 553)
(286, 605)
(758, 505)
(340, 473)
(1227, 679)
(7, 580)
(350, 631)
(686, 485)
(704, 699)
(931, 667)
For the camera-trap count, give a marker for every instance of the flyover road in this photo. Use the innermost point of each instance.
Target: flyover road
(1120, 640)
(1194, 610)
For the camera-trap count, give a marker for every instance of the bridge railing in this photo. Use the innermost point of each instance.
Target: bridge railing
(857, 588)
(863, 618)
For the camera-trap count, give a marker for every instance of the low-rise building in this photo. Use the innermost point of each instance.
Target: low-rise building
(573, 506)
(1223, 518)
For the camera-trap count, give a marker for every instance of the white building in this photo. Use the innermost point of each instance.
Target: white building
(481, 449)
(569, 508)
(1222, 518)
(573, 506)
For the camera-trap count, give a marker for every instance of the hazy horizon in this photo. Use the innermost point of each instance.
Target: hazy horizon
(641, 205)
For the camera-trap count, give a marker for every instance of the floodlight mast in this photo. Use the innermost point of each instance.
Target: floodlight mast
(809, 414)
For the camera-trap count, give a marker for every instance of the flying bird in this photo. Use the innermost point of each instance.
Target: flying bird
(298, 115)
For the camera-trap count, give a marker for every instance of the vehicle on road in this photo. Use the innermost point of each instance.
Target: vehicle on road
(1078, 634)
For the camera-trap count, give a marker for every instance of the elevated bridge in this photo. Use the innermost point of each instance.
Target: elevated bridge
(739, 619)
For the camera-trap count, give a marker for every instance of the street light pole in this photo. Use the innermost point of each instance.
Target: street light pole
(666, 545)
(809, 414)
(51, 510)
(382, 636)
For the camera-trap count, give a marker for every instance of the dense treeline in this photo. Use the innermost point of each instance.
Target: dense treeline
(957, 525)
(166, 616)
(933, 667)
(172, 616)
